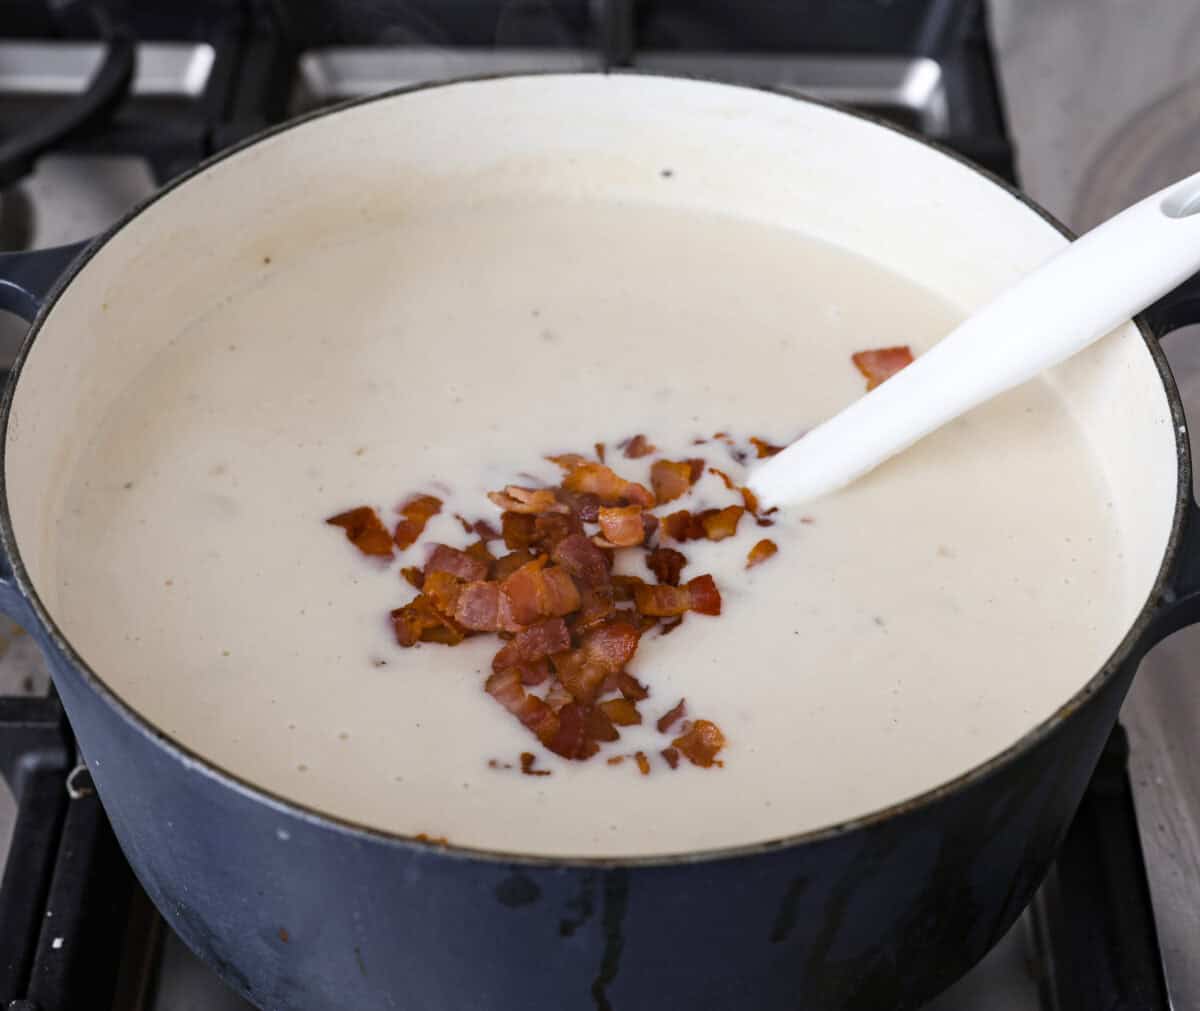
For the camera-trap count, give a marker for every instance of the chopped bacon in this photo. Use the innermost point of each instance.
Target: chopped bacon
(599, 726)
(527, 501)
(672, 478)
(636, 447)
(622, 526)
(603, 650)
(880, 364)
(749, 500)
(537, 591)
(643, 763)
(720, 523)
(666, 564)
(480, 552)
(571, 740)
(444, 558)
(622, 712)
(682, 526)
(596, 605)
(365, 530)
(706, 599)
(568, 460)
(671, 756)
(624, 587)
(631, 687)
(528, 758)
(607, 485)
(506, 565)
(669, 718)
(583, 504)
(533, 644)
(413, 576)
(701, 743)
(517, 530)
(417, 511)
(761, 551)
(662, 601)
(443, 589)
(550, 528)
(535, 715)
(478, 606)
(616, 759)
(580, 557)
(420, 621)
(764, 448)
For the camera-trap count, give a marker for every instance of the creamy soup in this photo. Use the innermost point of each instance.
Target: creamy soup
(909, 628)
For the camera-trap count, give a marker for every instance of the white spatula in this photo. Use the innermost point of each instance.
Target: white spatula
(1076, 297)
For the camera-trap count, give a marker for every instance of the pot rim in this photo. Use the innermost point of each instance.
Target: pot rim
(1125, 651)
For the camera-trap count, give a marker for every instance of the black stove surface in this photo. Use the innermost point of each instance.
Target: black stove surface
(76, 932)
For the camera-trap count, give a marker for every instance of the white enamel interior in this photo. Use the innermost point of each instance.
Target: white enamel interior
(741, 152)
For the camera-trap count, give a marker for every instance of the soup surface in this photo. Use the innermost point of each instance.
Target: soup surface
(909, 628)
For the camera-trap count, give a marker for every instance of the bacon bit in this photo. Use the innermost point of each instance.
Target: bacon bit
(582, 559)
(637, 447)
(517, 530)
(534, 644)
(596, 606)
(444, 558)
(417, 511)
(607, 485)
(535, 715)
(571, 740)
(761, 551)
(669, 718)
(706, 599)
(584, 505)
(432, 840)
(616, 760)
(550, 528)
(365, 530)
(494, 764)
(643, 763)
(807, 520)
(557, 696)
(528, 758)
(622, 712)
(478, 607)
(602, 651)
(749, 500)
(506, 565)
(666, 564)
(764, 448)
(413, 576)
(624, 587)
(568, 461)
(881, 364)
(672, 757)
(599, 726)
(535, 591)
(600, 451)
(671, 478)
(534, 674)
(762, 521)
(662, 601)
(631, 687)
(681, 526)
(443, 589)
(622, 525)
(527, 501)
(701, 743)
(720, 523)
(480, 552)
(420, 621)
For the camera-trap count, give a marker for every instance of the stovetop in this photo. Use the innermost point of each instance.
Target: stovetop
(74, 927)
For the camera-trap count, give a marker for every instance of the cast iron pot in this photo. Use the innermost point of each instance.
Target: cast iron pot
(298, 910)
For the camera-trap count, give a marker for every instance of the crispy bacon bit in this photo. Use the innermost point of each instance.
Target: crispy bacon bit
(749, 500)
(568, 461)
(506, 565)
(669, 718)
(881, 364)
(622, 526)
(535, 715)
(679, 526)
(480, 552)
(761, 551)
(538, 591)
(643, 763)
(534, 644)
(666, 564)
(603, 651)
(420, 621)
(624, 587)
(599, 726)
(365, 530)
(671, 756)
(720, 523)
(413, 576)
(478, 606)
(528, 758)
(443, 589)
(700, 595)
(596, 606)
(432, 840)
(582, 559)
(417, 511)
(701, 743)
(670, 479)
(584, 505)
(571, 740)
(517, 530)
(527, 501)
(637, 447)
(622, 712)
(608, 486)
(616, 759)
(444, 558)
(631, 687)
(764, 448)
(600, 451)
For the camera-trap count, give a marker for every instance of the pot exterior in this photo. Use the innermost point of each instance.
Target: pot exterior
(299, 913)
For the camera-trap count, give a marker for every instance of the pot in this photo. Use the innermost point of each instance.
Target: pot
(298, 909)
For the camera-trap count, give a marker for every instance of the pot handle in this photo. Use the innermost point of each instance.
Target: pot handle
(27, 278)
(1179, 605)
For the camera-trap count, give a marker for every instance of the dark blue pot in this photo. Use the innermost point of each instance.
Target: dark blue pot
(299, 911)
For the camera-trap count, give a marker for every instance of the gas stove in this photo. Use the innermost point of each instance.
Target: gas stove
(190, 78)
